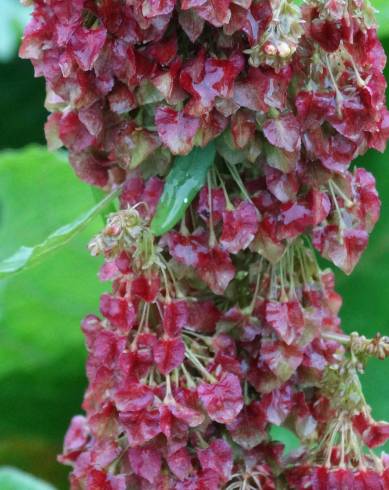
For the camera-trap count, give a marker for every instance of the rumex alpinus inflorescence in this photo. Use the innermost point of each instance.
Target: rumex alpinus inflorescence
(221, 324)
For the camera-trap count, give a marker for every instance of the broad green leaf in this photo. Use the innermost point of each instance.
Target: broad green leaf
(42, 351)
(13, 479)
(27, 257)
(41, 310)
(184, 181)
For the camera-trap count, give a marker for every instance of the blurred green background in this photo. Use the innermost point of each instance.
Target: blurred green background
(41, 347)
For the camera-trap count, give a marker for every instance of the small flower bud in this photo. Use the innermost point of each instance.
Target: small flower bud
(270, 49)
(284, 50)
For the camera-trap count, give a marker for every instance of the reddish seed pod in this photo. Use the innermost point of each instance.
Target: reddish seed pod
(225, 325)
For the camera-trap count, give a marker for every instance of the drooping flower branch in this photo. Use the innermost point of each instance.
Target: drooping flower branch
(231, 127)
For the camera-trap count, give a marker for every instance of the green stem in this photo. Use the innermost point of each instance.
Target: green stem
(238, 180)
(193, 359)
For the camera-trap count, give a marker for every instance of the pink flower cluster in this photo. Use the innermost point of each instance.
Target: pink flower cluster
(226, 325)
(128, 81)
(184, 382)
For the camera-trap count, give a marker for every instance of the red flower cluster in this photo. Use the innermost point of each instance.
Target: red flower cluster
(127, 81)
(124, 78)
(225, 325)
(174, 380)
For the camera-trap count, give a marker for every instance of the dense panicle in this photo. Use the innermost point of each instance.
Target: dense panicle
(225, 325)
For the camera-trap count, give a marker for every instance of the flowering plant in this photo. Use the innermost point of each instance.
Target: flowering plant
(227, 129)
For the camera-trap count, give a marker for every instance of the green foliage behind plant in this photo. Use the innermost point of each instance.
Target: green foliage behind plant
(41, 347)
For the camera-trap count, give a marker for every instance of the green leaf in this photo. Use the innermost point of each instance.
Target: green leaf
(287, 437)
(27, 257)
(184, 181)
(42, 348)
(13, 479)
(39, 192)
